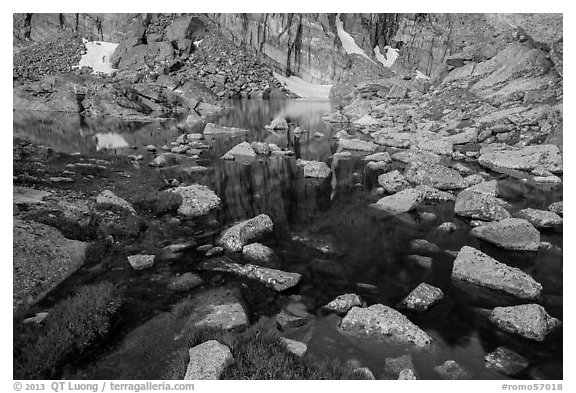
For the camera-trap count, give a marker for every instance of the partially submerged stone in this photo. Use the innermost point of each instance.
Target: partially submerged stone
(108, 200)
(317, 169)
(481, 206)
(506, 361)
(541, 218)
(278, 123)
(141, 262)
(237, 236)
(241, 150)
(197, 200)
(208, 361)
(293, 316)
(378, 157)
(477, 268)
(278, 280)
(401, 202)
(382, 322)
(422, 298)
(527, 320)
(343, 303)
(416, 156)
(510, 234)
(450, 369)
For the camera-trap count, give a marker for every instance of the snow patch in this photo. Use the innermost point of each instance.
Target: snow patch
(388, 59)
(197, 43)
(110, 140)
(421, 75)
(302, 88)
(347, 41)
(97, 56)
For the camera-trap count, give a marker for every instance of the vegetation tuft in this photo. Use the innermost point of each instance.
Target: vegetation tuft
(71, 326)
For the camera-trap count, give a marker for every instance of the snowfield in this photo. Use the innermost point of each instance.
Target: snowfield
(347, 41)
(302, 88)
(389, 58)
(97, 56)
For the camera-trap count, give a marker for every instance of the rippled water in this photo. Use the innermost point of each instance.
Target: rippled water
(371, 245)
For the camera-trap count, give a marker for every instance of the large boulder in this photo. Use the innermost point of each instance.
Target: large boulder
(481, 206)
(435, 175)
(477, 268)
(527, 320)
(510, 234)
(42, 258)
(278, 280)
(237, 236)
(382, 322)
(527, 158)
(451, 370)
(197, 200)
(401, 202)
(208, 361)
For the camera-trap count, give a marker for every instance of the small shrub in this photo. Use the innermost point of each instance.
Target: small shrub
(72, 325)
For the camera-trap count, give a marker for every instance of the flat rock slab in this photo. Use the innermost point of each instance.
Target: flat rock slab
(218, 307)
(393, 182)
(108, 200)
(42, 258)
(527, 320)
(382, 322)
(378, 157)
(477, 268)
(197, 200)
(541, 218)
(510, 234)
(28, 196)
(402, 201)
(212, 129)
(527, 158)
(506, 361)
(343, 303)
(435, 175)
(416, 156)
(278, 280)
(422, 298)
(141, 262)
(452, 371)
(357, 144)
(480, 206)
(237, 236)
(208, 361)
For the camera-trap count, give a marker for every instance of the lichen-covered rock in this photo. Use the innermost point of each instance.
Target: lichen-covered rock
(506, 361)
(526, 158)
(477, 268)
(541, 218)
(237, 236)
(526, 320)
(435, 175)
(261, 255)
(208, 361)
(108, 200)
(402, 201)
(422, 298)
(141, 262)
(316, 169)
(278, 280)
(343, 303)
(393, 182)
(510, 234)
(197, 200)
(432, 194)
(480, 206)
(382, 322)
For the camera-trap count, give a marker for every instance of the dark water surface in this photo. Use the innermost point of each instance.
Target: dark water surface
(370, 246)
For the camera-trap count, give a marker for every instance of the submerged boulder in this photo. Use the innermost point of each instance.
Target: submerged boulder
(477, 268)
(236, 237)
(506, 361)
(527, 320)
(510, 234)
(382, 322)
(395, 367)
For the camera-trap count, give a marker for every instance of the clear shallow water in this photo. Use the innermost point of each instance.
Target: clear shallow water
(371, 245)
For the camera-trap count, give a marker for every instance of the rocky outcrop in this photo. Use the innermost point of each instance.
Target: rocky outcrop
(208, 361)
(382, 322)
(527, 320)
(477, 268)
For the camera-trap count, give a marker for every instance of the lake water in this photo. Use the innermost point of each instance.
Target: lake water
(369, 247)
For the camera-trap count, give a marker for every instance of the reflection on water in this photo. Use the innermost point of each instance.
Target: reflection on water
(371, 246)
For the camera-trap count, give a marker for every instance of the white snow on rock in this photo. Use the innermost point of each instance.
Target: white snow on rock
(386, 59)
(110, 140)
(97, 56)
(347, 41)
(302, 88)
(197, 43)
